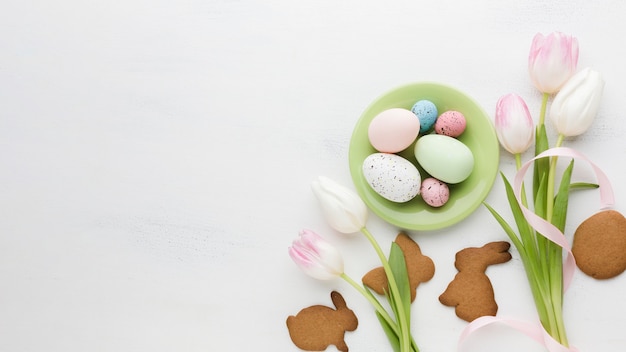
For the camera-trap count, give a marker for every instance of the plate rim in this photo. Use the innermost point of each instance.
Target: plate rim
(490, 180)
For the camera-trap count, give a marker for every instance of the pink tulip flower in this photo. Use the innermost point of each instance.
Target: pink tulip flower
(514, 125)
(316, 257)
(552, 60)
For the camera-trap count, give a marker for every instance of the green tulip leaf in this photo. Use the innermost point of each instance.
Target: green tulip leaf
(540, 198)
(507, 229)
(394, 340)
(583, 185)
(561, 201)
(541, 165)
(523, 227)
(399, 270)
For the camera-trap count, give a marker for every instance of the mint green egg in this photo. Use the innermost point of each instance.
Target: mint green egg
(444, 158)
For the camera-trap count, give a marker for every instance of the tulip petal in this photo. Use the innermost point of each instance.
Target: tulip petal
(552, 60)
(574, 108)
(514, 124)
(315, 256)
(343, 209)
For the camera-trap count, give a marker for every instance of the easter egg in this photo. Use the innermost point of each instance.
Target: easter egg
(393, 130)
(426, 112)
(444, 158)
(450, 123)
(434, 192)
(392, 177)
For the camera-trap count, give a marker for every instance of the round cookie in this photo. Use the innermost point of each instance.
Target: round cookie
(600, 245)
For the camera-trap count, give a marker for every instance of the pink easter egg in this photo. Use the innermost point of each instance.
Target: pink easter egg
(434, 192)
(450, 123)
(393, 130)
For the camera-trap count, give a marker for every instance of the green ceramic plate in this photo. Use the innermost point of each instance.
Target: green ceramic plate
(466, 196)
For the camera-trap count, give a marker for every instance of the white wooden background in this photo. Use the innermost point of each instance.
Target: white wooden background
(156, 157)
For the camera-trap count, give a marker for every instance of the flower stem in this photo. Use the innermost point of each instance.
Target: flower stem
(555, 261)
(544, 104)
(403, 320)
(535, 247)
(551, 175)
(518, 165)
(556, 291)
(379, 308)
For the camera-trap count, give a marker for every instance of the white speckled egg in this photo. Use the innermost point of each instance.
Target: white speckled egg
(392, 177)
(444, 158)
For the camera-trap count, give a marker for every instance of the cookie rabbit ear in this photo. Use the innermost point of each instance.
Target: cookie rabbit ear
(338, 300)
(343, 316)
(501, 250)
(376, 279)
(498, 246)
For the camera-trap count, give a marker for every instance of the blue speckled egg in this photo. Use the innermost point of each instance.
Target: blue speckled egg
(427, 113)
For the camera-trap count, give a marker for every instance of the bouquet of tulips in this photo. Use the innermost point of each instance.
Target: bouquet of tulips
(346, 212)
(538, 235)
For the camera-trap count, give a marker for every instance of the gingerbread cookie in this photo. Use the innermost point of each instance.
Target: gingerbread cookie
(317, 327)
(471, 292)
(419, 267)
(600, 245)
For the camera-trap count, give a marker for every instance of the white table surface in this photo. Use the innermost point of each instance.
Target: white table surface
(157, 156)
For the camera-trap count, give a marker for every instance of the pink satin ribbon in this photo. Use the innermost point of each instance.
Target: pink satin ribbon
(551, 232)
(532, 330)
(544, 227)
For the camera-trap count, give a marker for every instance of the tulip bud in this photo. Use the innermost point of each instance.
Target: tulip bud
(514, 125)
(577, 104)
(343, 209)
(315, 256)
(552, 60)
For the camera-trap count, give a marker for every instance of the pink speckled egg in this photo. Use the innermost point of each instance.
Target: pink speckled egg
(450, 123)
(393, 130)
(434, 192)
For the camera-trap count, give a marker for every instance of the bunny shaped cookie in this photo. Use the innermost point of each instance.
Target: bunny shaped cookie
(420, 268)
(317, 327)
(471, 292)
